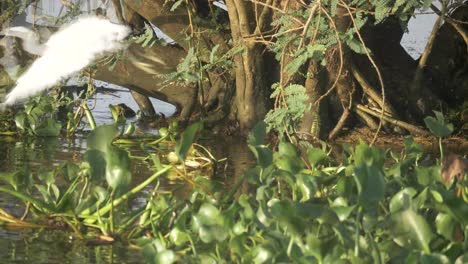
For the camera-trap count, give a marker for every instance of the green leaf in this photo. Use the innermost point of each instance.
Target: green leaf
(446, 225)
(287, 149)
(258, 134)
(176, 5)
(402, 200)
(178, 237)
(40, 205)
(102, 137)
(434, 258)
(412, 231)
(50, 129)
(428, 175)
(118, 174)
(343, 212)
(208, 214)
(437, 125)
(315, 156)
(186, 140)
(96, 163)
(263, 154)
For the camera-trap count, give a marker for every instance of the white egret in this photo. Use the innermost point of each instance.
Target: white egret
(67, 51)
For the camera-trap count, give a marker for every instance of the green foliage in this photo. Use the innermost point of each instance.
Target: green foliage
(186, 139)
(39, 117)
(288, 115)
(148, 38)
(303, 207)
(438, 126)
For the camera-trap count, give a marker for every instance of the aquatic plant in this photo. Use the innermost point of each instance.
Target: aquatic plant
(302, 207)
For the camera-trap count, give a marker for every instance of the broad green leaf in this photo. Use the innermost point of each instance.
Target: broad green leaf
(166, 257)
(102, 137)
(402, 200)
(343, 212)
(50, 129)
(428, 175)
(438, 126)
(100, 193)
(19, 180)
(263, 154)
(96, 162)
(40, 205)
(288, 163)
(315, 156)
(186, 140)
(434, 258)
(371, 184)
(446, 225)
(178, 237)
(118, 174)
(413, 149)
(287, 149)
(262, 255)
(412, 231)
(208, 214)
(258, 134)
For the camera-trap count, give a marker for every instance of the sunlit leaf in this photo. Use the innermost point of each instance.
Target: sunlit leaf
(178, 237)
(402, 200)
(446, 225)
(413, 230)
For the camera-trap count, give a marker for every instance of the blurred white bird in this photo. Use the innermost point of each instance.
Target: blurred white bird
(67, 51)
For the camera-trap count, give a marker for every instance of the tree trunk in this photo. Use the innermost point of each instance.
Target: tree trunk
(251, 95)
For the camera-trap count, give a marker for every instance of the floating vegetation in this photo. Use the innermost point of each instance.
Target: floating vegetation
(303, 207)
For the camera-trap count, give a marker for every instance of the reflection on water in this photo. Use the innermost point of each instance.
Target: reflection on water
(100, 106)
(30, 246)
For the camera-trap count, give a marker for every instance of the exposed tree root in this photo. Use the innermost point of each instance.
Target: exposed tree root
(339, 124)
(411, 128)
(367, 119)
